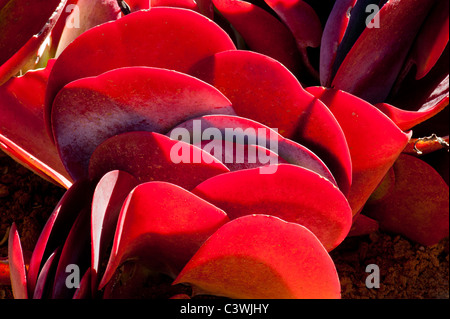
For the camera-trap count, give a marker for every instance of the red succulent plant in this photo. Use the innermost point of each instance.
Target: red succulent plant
(227, 145)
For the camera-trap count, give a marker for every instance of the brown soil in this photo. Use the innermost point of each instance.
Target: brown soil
(407, 270)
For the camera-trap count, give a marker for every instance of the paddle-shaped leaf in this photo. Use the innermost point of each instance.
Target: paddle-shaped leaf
(162, 225)
(303, 22)
(150, 156)
(418, 204)
(88, 111)
(372, 65)
(109, 195)
(432, 39)
(236, 156)
(333, 34)
(24, 26)
(291, 193)
(44, 281)
(57, 227)
(248, 132)
(374, 141)
(262, 89)
(86, 15)
(186, 4)
(261, 31)
(17, 268)
(75, 253)
(22, 129)
(157, 38)
(419, 100)
(260, 257)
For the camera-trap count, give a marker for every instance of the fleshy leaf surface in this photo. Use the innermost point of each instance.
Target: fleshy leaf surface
(333, 34)
(24, 27)
(44, 281)
(22, 128)
(262, 257)
(150, 156)
(157, 38)
(371, 67)
(374, 140)
(432, 39)
(58, 226)
(418, 205)
(89, 111)
(75, 258)
(304, 24)
(262, 89)
(17, 268)
(147, 233)
(261, 31)
(109, 195)
(291, 193)
(245, 131)
(84, 16)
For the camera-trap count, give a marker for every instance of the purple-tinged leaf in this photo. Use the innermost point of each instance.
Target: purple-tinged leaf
(291, 193)
(262, 89)
(75, 253)
(150, 156)
(157, 38)
(109, 195)
(262, 257)
(58, 226)
(246, 131)
(163, 241)
(371, 67)
(88, 111)
(17, 268)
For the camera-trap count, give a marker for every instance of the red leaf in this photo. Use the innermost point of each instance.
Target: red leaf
(291, 193)
(86, 15)
(237, 156)
(109, 195)
(44, 281)
(75, 251)
(432, 39)
(136, 5)
(24, 26)
(245, 131)
(303, 22)
(261, 31)
(157, 38)
(418, 205)
(165, 242)
(405, 119)
(363, 225)
(375, 60)
(83, 291)
(374, 141)
(261, 89)
(17, 268)
(333, 34)
(186, 4)
(88, 111)
(22, 129)
(419, 100)
(155, 157)
(57, 227)
(260, 257)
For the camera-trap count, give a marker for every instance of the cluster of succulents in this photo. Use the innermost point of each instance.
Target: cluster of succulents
(227, 145)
